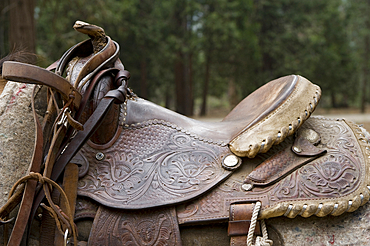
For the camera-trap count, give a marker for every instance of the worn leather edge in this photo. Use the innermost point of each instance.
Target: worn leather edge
(337, 206)
(281, 123)
(31, 74)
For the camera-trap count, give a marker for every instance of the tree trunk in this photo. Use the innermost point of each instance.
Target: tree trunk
(183, 80)
(203, 110)
(143, 78)
(365, 67)
(333, 100)
(232, 93)
(180, 83)
(232, 89)
(189, 86)
(168, 97)
(4, 20)
(22, 26)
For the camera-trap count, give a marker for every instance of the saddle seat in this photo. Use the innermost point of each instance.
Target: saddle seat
(265, 117)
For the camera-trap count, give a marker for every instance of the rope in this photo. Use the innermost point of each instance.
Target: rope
(54, 210)
(260, 241)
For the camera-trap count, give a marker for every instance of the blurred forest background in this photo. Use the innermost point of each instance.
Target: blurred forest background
(198, 55)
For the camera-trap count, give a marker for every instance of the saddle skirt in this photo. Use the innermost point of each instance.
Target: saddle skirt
(141, 166)
(332, 184)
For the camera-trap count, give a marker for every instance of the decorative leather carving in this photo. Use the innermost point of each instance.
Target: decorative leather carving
(151, 227)
(152, 160)
(330, 177)
(284, 162)
(85, 208)
(332, 184)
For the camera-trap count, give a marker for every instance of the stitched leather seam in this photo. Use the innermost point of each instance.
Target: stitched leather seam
(173, 126)
(303, 116)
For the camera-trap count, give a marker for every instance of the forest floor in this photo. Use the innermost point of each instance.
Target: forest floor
(352, 114)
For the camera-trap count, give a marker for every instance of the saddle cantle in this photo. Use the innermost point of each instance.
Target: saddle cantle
(146, 170)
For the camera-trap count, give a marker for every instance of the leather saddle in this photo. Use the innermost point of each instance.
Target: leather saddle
(147, 170)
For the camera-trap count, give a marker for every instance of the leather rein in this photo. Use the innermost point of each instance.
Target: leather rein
(65, 142)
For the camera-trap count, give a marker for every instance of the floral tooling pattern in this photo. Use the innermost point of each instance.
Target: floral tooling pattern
(175, 170)
(154, 227)
(334, 175)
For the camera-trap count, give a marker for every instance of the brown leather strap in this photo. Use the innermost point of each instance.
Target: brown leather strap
(70, 180)
(86, 96)
(31, 74)
(284, 163)
(48, 226)
(239, 222)
(29, 191)
(81, 137)
(118, 69)
(12, 202)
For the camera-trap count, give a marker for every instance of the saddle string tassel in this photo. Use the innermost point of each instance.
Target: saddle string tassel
(260, 241)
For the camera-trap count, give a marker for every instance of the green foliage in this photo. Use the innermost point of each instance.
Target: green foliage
(239, 44)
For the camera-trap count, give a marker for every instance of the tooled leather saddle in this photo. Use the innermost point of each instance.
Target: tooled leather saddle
(144, 171)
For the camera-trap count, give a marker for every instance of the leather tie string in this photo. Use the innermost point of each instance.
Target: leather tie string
(54, 210)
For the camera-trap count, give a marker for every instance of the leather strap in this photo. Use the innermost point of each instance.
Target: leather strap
(29, 191)
(239, 222)
(31, 74)
(284, 163)
(48, 227)
(70, 180)
(86, 96)
(81, 137)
